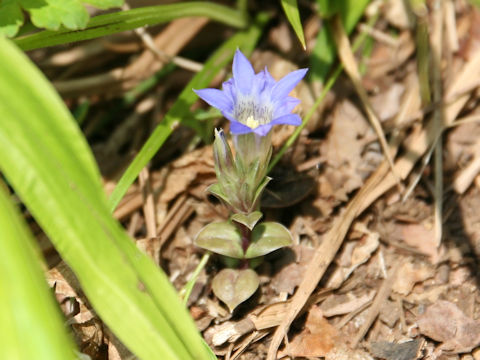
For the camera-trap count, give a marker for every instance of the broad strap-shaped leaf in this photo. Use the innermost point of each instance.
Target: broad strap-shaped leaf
(234, 286)
(222, 238)
(49, 14)
(268, 237)
(30, 320)
(112, 23)
(49, 164)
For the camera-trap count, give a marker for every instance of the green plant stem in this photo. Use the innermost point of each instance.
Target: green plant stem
(187, 289)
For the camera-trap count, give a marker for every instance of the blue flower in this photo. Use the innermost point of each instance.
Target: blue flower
(255, 102)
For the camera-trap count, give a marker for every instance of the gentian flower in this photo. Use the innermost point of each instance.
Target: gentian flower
(255, 102)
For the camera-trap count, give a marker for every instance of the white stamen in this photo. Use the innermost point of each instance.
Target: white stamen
(251, 122)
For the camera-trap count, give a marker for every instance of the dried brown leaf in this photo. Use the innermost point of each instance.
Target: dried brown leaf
(317, 338)
(446, 323)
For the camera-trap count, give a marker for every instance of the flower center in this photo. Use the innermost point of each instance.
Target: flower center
(251, 122)
(250, 112)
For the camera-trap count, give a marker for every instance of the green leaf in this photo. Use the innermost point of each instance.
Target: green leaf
(222, 238)
(261, 188)
(131, 19)
(235, 286)
(104, 4)
(49, 164)
(324, 52)
(291, 11)
(268, 237)
(215, 190)
(49, 14)
(475, 2)
(246, 40)
(249, 220)
(11, 17)
(30, 320)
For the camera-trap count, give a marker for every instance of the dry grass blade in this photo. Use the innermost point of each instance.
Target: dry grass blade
(148, 203)
(325, 253)
(322, 258)
(466, 176)
(346, 55)
(147, 64)
(421, 140)
(382, 295)
(161, 55)
(436, 49)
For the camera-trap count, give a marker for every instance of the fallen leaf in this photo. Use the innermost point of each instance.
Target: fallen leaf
(185, 171)
(292, 265)
(339, 304)
(391, 351)
(421, 237)
(343, 352)
(354, 254)
(410, 274)
(446, 323)
(316, 339)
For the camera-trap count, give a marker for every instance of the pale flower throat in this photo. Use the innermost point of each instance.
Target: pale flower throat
(248, 112)
(251, 122)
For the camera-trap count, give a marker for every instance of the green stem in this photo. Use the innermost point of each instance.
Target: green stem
(187, 289)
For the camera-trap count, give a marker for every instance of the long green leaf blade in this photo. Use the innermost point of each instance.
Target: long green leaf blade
(30, 320)
(48, 162)
(325, 52)
(131, 19)
(290, 7)
(181, 108)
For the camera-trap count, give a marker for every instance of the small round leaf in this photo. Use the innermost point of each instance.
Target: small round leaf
(222, 238)
(235, 286)
(268, 237)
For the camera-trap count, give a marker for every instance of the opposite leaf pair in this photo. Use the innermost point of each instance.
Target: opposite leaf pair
(234, 286)
(226, 239)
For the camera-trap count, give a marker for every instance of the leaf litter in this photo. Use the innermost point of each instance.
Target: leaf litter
(365, 278)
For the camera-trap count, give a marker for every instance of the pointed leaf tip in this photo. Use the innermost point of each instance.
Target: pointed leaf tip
(222, 238)
(268, 237)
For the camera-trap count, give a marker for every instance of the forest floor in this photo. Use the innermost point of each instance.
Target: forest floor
(386, 260)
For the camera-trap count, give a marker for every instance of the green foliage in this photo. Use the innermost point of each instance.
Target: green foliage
(222, 238)
(30, 321)
(475, 2)
(291, 11)
(131, 19)
(180, 110)
(268, 237)
(324, 52)
(48, 14)
(49, 164)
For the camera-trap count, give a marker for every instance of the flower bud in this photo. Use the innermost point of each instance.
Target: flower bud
(224, 164)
